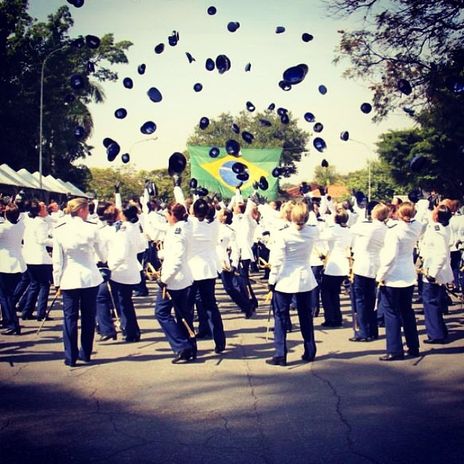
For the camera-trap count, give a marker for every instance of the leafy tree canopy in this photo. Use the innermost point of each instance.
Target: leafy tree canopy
(26, 46)
(419, 41)
(270, 134)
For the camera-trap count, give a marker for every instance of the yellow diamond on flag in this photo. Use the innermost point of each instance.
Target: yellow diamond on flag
(221, 170)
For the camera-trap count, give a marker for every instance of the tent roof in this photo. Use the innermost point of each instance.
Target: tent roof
(16, 178)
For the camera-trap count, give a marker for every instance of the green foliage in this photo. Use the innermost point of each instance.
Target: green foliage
(25, 45)
(288, 136)
(420, 41)
(382, 184)
(326, 176)
(131, 182)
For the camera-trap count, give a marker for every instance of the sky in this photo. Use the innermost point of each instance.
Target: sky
(147, 23)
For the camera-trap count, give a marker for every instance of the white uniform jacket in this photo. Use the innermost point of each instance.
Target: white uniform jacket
(11, 254)
(244, 226)
(175, 272)
(227, 249)
(436, 253)
(75, 243)
(339, 240)
(36, 239)
(156, 225)
(122, 253)
(369, 238)
(202, 256)
(289, 259)
(397, 268)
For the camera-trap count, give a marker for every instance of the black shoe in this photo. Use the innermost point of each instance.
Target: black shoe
(219, 349)
(27, 317)
(12, 331)
(437, 341)
(84, 359)
(360, 339)
(132, 339)
(307, 358)
(277, 361)
(48, 318)
(105, 338)
(70, 363)
(412, 353)
(392, 357)
(183, 357)
(418, 301)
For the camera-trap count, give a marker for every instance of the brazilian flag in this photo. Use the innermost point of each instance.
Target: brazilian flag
(216, 174)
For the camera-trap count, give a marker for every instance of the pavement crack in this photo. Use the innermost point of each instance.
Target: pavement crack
(343, 419)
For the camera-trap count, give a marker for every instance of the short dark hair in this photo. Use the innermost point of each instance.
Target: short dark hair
(200, 209)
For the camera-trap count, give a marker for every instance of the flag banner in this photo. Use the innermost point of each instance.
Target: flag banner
(217, 175)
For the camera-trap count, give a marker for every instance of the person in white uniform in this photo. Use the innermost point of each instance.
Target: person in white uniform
(397, 277)
(12, 265)
(123, 248)
(39, 263)
(176, 278)
(290, 276)
(438, 273)
(75, 273)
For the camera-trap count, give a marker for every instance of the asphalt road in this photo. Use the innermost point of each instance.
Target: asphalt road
(131, 405)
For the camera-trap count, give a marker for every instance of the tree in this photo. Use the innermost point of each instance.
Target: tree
(404, 43)
(268, 134)
(25, 45)
(326, 176)
(132, 182)
(382, 184)
(443, 166)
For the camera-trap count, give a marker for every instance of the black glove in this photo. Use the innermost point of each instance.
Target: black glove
(116, 186)
(271, 287)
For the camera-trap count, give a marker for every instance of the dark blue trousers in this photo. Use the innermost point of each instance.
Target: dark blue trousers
(40, 276)
(397, 305)
(330, 295)
(85, 300)
(104, 311)
(244, 280)
(235, 290)
(281, 304)
(455, 266)
(316, 293)
(20, 292)
(364, 297)
(122, 294)
(174, 329)
(8, 283)
(205, 288)
(435, 304)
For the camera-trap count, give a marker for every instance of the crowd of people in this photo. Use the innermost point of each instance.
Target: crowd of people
(98, 255)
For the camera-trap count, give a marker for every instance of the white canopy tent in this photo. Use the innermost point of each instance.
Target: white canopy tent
(23, 179)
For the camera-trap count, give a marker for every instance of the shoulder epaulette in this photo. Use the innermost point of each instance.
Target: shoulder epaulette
(437, 227)
(90, 222)
(178, 230)
(284, 227)
(59, 225)
(393, 225)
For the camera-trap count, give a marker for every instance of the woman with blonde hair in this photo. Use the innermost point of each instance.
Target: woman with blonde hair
(397, 277)
(291, 275)
(75, 273)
